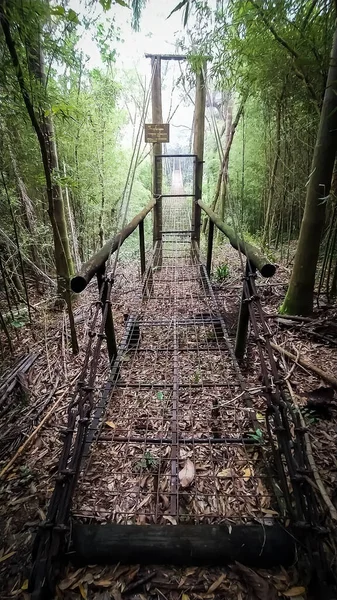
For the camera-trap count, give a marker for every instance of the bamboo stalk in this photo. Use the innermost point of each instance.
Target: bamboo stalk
(311, 460)
(80, 281)
(255, 256)
(306, 364)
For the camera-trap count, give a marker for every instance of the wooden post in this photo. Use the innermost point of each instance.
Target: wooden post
(210, 248)
(198, 149)
(109, 324)
(142, 247)
(243, 320)
(157, 117)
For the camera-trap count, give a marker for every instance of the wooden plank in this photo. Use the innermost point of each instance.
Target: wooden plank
(157, 133)
(167, 56)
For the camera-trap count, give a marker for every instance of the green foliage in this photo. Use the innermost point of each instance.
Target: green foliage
(275, 54)
(148, 462)
(221, 272)
(183, 4)
(197, 377)
(93, 132)
(257, 436)
(18, 323)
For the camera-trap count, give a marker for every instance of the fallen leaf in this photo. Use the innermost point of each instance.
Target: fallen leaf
(269, 511)
(259, 417)
(226, 474)
(25, 585)
(104, 582)
(187, 473)
(5, 556)
(83, 591)
(185, 597)
(216, 584)
(294, 592)
(116, 594)
(110, 424)
(172, 520)
(247, 473)
(190, 571)
(262, 589)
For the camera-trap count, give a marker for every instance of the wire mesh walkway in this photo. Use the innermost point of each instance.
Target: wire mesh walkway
(180, 441)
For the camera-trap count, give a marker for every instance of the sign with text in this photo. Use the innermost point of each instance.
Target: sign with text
(157, 133)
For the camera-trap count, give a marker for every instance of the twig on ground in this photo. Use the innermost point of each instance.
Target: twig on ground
(307, 365)
(36, 430)
(311, 460)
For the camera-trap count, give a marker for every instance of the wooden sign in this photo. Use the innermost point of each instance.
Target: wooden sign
(157, 133)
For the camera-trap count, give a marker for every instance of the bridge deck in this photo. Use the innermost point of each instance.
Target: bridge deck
(180, 438)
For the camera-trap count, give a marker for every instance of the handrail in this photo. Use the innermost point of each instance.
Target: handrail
(254, 255)
(97, 262)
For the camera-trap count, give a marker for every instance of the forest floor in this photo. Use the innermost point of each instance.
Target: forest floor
(45, 390)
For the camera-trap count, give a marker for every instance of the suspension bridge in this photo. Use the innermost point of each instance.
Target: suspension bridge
(177, 459)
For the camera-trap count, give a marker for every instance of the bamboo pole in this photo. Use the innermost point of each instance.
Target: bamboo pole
(311, 460)
(254, 255)
(306, 364)
(33, 435)
(198, 148)
(80, 281)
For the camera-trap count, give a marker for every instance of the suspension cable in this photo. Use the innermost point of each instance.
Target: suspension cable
(124, 206)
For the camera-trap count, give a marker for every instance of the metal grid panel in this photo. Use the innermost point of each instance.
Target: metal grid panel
(179, 400)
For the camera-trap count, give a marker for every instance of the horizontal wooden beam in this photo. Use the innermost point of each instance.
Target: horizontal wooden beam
(253, 545)
(97, 262)
(167, 56)
(254, 255)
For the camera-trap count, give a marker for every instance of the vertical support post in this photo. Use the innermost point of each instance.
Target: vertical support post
(142, 247)
(157, 117)
(210, 247)
(198, 149)
(109, 324)
(243, 320)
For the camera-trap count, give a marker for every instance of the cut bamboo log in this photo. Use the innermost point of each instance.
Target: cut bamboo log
(254, 255)
(96, 263)
(262, 546)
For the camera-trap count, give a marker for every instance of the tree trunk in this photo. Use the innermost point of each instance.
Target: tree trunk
(56, 211)
(224, 166)
(44, 130)
(300, 294)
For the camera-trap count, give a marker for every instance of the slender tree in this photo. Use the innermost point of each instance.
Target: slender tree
(44, 129)
(299, 298)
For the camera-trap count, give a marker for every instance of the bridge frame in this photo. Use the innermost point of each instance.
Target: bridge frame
(198, 144)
